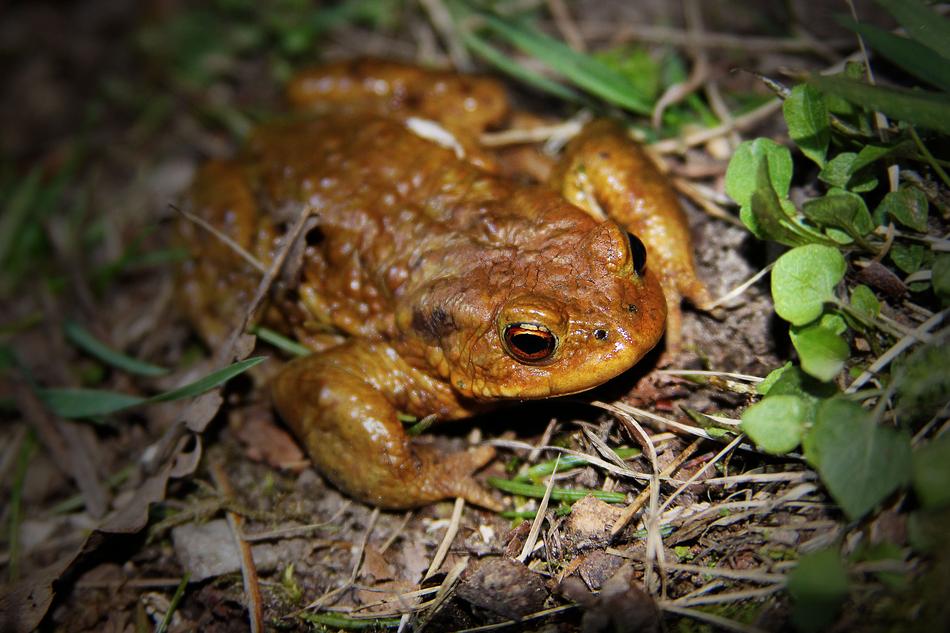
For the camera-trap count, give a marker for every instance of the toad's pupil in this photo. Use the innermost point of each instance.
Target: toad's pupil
(529, 342)
(638, 252)
(600, 334)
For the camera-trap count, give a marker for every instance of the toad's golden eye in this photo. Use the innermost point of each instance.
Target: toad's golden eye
(529, 343)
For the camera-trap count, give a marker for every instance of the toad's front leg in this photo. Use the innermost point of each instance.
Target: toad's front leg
(604, 172)
(342, 404)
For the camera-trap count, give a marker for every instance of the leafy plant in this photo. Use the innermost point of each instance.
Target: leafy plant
(860, 459)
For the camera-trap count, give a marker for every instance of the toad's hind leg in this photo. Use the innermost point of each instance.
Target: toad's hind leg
(604, 171)
(342, 404)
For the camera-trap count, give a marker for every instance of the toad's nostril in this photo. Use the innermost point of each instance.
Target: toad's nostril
(600, 334)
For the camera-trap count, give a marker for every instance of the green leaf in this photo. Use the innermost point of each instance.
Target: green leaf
(768, 217)
(822, 351)
(922, 380)
(844, 171)
(808, 124)
(774, 376)
(915, 58)
(931, 473)
(872, 153)
(741, 174)
(803, 280)
(583, 70)
(818, 586)
(908, 257)
(860, 461)
(833, 322)
(842, 210)
(775, 423)
(941, 278)
(90, 344)
(865, 301)
(907, 206)
(837, 172)
(926, 109)
(91, 403)
(792, 381)
(922, 24)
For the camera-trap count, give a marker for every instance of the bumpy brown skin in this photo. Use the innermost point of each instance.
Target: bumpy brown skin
(415, 264)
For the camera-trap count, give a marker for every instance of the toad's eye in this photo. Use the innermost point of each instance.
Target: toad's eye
(639, 253)
(529, 343)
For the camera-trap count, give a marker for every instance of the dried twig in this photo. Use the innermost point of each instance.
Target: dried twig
(447, 539)
(252, 587)
(445, 25)
(354, 571)
(704, 616)
(566, 25)
(538, 517)
(679, 145)
(897, 349)
(298, 530)
(699, 72)
(223, 238)
(641, 498)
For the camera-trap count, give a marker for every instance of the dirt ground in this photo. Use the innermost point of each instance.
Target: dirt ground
(114, 104)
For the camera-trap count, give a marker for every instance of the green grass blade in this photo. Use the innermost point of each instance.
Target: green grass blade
(566, 462)
(507, 65)
(926, 109)
(922, 24)
(558, 494)
(173, 605)
(81, 337)
(15, 509)
(86, 403)
(91, 403)
(915, 58)
(212, 380)
(280, 341)
(17, 209)
(583, 70)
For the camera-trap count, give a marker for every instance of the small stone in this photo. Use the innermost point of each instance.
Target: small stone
(503, 586)
(589, 524)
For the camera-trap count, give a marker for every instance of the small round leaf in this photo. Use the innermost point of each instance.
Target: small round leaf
(741, 173)
(821, 350)
(804, 279)
(775, 424)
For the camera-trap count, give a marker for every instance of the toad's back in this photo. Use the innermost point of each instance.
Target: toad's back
(393, 215)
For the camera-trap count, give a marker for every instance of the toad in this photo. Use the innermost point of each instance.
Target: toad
(428, 281)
